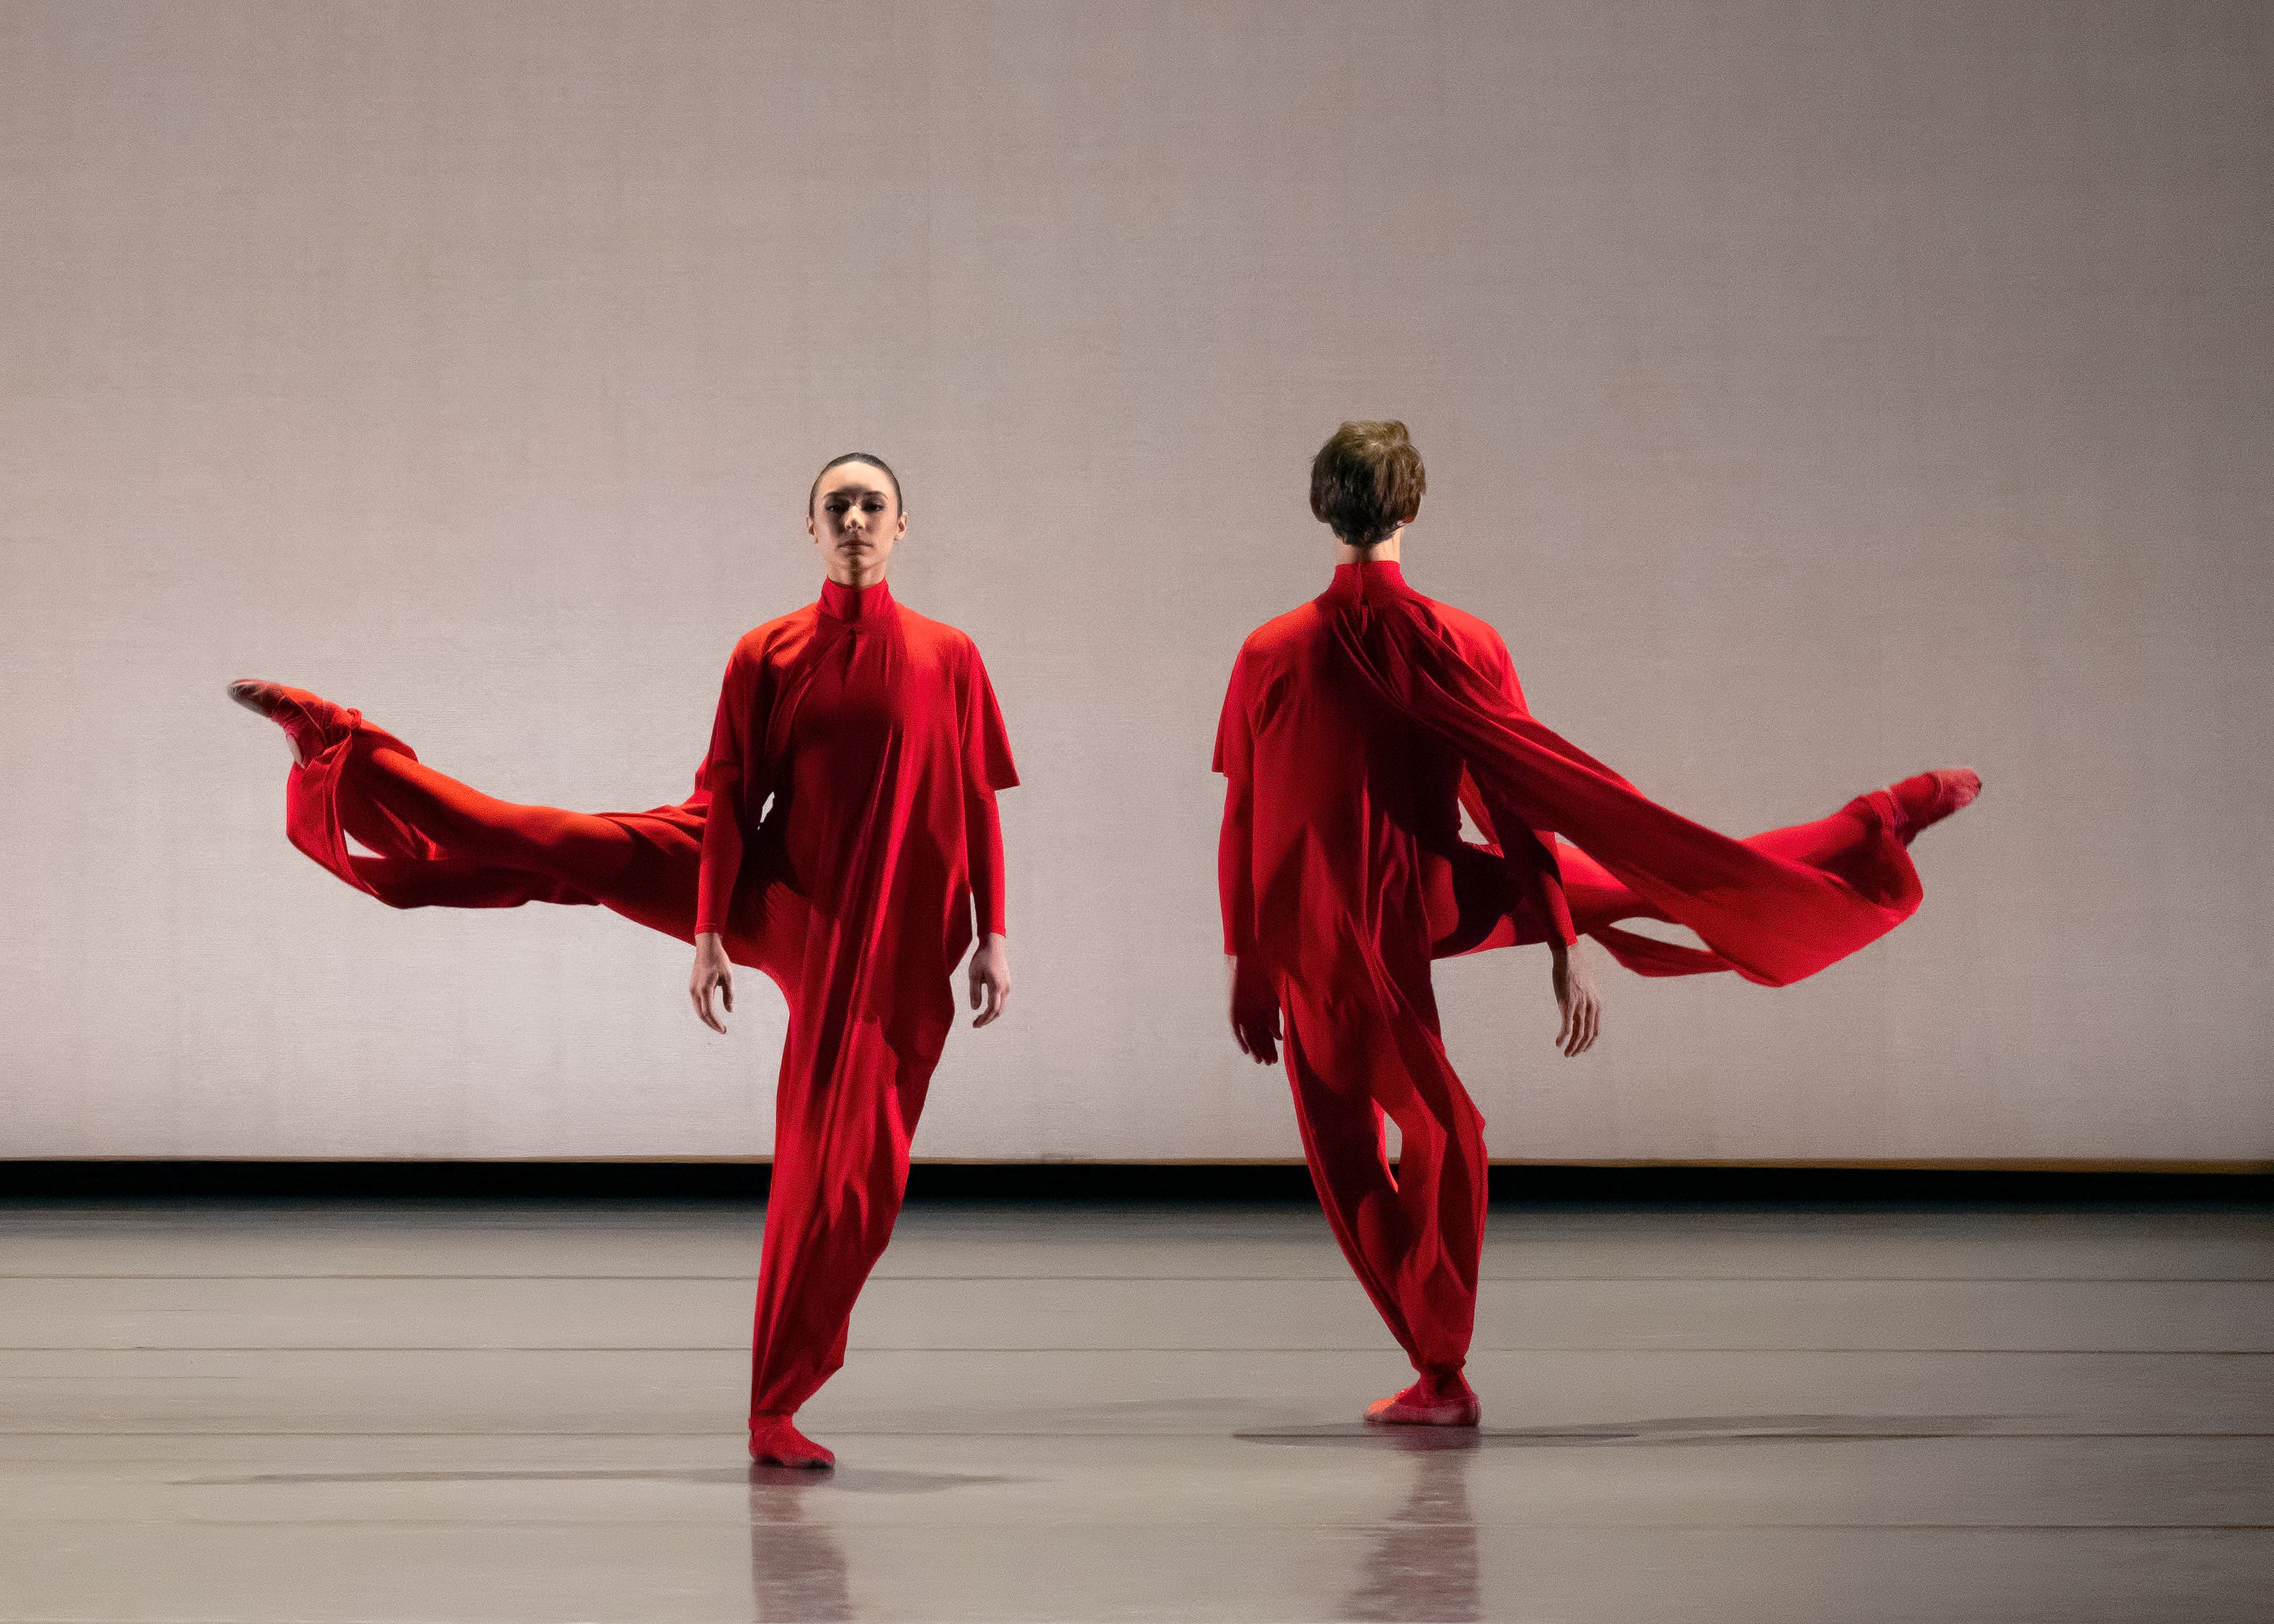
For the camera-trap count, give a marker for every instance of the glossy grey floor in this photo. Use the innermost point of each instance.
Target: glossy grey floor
(526, 1412)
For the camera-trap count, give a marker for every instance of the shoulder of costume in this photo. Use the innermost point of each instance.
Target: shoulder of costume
(924, 626)
(796, 619)
(1461, 621)
(754, 644)
(1277, 631)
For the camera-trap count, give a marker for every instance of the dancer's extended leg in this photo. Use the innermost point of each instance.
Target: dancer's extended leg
(1925, 798)
(1852, 843)
(1413, 1235)
(463, 823)
(1911, 807)
(440, 842)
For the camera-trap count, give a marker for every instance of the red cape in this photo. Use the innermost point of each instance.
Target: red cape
(1768, 918)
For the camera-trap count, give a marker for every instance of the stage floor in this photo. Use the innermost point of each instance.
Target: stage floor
(523, 1411)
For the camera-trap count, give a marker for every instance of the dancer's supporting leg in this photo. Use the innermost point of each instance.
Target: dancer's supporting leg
(1413, 1235)
(844, 1109)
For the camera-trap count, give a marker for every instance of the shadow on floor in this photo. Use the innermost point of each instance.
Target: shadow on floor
(845, 1480)
(1671, 1430)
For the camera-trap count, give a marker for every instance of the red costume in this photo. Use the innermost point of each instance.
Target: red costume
(1355, 730)
(841, 835)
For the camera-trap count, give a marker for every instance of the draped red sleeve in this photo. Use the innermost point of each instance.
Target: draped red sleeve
(732, 779)
(987, 768)
(1235, 865)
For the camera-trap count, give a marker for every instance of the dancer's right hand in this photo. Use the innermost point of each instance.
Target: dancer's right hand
(1254, 1011)
(712, 970)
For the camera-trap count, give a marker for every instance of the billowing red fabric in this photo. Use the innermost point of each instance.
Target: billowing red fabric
(1354, 729)
(838, 828)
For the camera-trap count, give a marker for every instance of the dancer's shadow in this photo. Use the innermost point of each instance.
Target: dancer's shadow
(797, 1567)
(1424, 1561)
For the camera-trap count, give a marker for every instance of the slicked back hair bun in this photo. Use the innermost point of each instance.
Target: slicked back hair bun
(870, 458)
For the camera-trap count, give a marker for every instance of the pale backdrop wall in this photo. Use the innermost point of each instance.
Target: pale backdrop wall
(1811, 394)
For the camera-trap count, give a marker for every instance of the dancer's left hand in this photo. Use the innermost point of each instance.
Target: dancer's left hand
(1577, 997)
(991, 978)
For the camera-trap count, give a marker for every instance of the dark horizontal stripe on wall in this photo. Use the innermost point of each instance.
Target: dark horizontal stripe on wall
(1512, 1184)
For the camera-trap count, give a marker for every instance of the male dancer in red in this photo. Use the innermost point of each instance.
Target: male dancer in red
(1356, 729)
(841, 836)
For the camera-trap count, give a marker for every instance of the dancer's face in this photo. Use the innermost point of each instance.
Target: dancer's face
(855, 521)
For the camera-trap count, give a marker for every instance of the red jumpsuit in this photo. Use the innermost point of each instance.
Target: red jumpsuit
(841, 836)
(1355, 729)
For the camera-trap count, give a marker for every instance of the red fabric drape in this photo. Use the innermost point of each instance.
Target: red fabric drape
(1373, 672)
(1770, 917)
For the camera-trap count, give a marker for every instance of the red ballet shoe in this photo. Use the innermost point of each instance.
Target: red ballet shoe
(775, 1442)
(309, 722)
(1448, 1402)
(1924, 801)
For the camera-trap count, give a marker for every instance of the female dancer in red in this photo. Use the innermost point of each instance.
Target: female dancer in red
(1356, 729)
(841, 836)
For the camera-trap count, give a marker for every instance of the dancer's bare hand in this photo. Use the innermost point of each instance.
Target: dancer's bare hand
(1576, 996)
(712, 972)
(1255, 1010)
(991, 978)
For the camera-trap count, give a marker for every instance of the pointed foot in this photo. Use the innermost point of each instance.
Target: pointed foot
(1925, 800)
(775, 1442)
(307, 720)
(1451, 1402)
(257, 694)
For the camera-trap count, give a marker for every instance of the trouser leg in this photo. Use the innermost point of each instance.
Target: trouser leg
(1414, 1234)
(434, 842)
(1857, 844)
(849, 1096)
(1852, 844)
(398, 802)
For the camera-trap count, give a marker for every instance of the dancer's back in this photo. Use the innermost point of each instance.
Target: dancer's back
(1363, 819)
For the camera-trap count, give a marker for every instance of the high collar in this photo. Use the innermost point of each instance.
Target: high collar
(856, 602)
(1372, 579)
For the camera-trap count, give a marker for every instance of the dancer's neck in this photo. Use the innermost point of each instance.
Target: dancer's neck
(1382, 552)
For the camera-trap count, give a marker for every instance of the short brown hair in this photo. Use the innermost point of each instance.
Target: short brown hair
(1366, 481)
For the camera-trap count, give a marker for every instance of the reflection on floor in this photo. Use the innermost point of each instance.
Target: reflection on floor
(521, 1412)
(1423, 1563)
(797, 1566)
